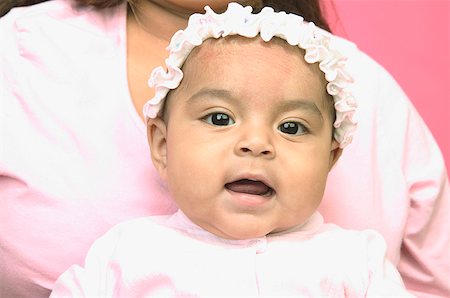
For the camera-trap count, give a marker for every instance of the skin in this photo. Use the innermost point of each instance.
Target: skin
(149, 30)
(226, 123)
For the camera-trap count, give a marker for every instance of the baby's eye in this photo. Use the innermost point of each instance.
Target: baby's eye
(293, 128)
(219, 119)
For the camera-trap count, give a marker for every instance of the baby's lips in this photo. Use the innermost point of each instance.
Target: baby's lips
(248, 186)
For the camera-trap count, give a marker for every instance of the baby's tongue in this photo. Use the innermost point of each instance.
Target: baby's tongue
(248, 186)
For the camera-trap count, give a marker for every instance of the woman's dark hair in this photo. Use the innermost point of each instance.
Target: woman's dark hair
(6, 5)
(308, 9)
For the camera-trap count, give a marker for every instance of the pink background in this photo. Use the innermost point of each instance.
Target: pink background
(411, 39)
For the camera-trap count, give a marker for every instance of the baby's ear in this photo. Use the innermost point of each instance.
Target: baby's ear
(156, 136)
(335, 153)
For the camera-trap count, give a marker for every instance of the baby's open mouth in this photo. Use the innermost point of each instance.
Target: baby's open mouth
(252, 187)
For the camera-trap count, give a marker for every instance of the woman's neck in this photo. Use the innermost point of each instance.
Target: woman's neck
(160, 21)
(149, 29)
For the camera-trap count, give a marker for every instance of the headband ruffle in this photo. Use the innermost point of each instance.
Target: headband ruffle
(239, 20)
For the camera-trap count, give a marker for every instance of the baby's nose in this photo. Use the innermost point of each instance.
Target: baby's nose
(255, 142)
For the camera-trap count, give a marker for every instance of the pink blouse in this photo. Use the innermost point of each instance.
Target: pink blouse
(74, 159)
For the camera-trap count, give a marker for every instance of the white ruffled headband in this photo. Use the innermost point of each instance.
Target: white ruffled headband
(239, 20)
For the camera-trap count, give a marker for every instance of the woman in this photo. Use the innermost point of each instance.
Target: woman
(73, 82)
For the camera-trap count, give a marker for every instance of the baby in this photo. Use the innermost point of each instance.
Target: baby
(249, 117)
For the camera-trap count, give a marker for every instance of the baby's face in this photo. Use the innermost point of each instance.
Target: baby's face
(248, 142)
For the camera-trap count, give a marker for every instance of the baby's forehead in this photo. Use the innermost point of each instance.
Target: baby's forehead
(276, 53)
(217, 61)
(237, 44)
(271, 52)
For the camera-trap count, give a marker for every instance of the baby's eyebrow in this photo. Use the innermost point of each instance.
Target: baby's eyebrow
(205, 93)
(283, 106)
(299, 104)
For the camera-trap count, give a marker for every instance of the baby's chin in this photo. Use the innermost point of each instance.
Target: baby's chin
(243, 230)
(243, 234)
(243, 225)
